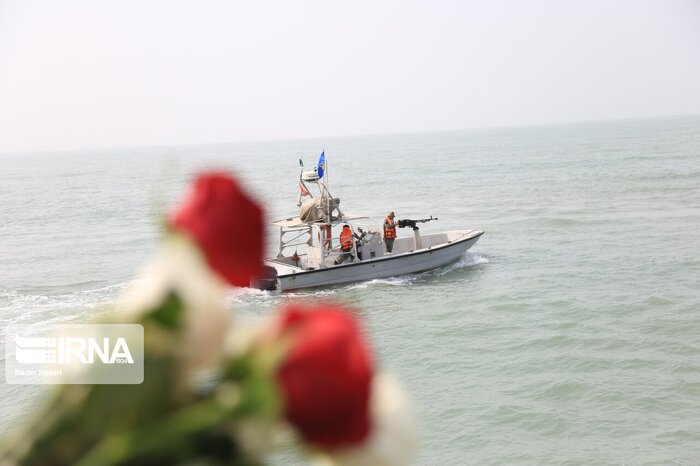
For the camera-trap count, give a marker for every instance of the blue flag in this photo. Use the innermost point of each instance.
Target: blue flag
(321, 164)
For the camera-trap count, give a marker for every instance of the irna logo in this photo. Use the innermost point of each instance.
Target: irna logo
(74, 354)
(72, 350)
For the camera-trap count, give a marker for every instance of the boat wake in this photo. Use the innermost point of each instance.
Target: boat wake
(250, 295)
(27, 307)
(468, 259)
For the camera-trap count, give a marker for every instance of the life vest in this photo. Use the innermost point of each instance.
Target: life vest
(346, 239)
(389, 231)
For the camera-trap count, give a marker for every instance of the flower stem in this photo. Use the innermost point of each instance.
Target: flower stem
(117, 448)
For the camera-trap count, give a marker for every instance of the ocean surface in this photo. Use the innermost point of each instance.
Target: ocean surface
(569, 335)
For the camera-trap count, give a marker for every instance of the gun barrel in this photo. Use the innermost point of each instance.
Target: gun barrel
(409, 222)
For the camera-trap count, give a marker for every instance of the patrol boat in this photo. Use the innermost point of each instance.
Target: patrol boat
(312, 252)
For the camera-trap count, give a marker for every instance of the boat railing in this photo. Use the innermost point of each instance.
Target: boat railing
(295, 241)
(318, 250)
(324, 256)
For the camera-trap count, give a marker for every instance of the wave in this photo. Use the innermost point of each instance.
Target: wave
(24, 306)
(248, 295)
(468, 259)
(86, 285)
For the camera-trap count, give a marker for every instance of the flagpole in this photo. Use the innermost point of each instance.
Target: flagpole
(328, 193)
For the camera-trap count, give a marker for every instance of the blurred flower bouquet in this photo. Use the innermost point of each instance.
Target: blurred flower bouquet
(309, 370)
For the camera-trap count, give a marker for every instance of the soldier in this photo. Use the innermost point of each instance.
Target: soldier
(389, 232)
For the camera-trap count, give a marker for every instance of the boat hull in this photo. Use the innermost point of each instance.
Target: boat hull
(387, 266)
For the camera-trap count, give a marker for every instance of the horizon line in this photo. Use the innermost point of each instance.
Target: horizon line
(336, 137)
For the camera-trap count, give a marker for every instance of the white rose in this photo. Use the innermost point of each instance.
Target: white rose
(180, 267)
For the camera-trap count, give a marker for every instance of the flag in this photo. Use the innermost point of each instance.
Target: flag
(304, 191)
(321, 164)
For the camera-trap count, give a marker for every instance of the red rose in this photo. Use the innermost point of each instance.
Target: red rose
(226, 224)
(326, 376)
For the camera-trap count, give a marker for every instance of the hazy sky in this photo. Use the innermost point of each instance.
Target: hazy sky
(83, 74)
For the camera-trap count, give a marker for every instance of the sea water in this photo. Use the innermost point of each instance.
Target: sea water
(570, 334)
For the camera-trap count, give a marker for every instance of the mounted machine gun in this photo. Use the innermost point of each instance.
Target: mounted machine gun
(407, 222)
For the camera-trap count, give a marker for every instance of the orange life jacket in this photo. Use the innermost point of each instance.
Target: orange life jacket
(389, 231)
(346, 239)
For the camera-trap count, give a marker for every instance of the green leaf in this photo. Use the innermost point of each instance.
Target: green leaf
(170, 312)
